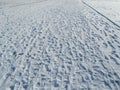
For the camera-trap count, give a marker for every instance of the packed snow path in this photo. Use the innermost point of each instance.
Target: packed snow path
(58, 45)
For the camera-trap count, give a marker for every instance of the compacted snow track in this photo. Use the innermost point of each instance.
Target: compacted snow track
(58, 45)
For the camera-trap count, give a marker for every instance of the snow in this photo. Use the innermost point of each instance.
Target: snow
(58, 45)
(13, 3)
(110, 8)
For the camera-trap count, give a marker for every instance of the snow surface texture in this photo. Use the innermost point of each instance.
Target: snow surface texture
(14, 3)
(58, 45)
(110, 8)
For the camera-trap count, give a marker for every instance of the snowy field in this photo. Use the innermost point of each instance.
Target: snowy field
(110, 8)
(14, 3)
(58, 45)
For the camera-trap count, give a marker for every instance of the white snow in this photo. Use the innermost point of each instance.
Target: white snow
(12, 3)
(57, 45)
(110, 8)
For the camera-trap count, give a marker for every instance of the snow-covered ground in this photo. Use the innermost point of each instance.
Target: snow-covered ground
(58, 45)
(14, 3)
(110, 8)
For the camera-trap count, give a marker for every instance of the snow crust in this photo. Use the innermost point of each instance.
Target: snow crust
(58, 45)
